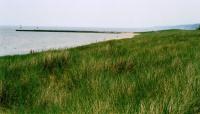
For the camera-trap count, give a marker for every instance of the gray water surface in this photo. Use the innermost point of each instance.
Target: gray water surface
(14, 43)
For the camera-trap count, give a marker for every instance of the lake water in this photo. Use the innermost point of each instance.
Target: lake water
(13, 42)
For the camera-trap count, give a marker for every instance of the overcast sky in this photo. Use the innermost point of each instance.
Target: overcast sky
(99, 13)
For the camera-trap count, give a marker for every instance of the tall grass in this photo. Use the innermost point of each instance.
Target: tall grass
(155, 72)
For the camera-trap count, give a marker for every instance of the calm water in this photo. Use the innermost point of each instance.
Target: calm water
(13, 42)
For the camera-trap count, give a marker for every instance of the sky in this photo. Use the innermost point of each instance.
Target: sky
(99, 13)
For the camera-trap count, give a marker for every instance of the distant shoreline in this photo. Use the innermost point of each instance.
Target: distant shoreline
(79, 31)
(43, 41)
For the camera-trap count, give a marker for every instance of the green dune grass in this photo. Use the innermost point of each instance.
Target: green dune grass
(153, 73)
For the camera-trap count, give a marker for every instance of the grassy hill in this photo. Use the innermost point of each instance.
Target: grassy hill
(153, 73)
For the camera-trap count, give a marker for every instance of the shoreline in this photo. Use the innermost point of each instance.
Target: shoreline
(25, 50)
(76, 31)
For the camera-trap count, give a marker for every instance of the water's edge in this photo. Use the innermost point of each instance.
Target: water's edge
(13, 42)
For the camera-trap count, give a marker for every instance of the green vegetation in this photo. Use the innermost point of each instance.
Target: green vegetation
(153, 73)
(198, 28)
